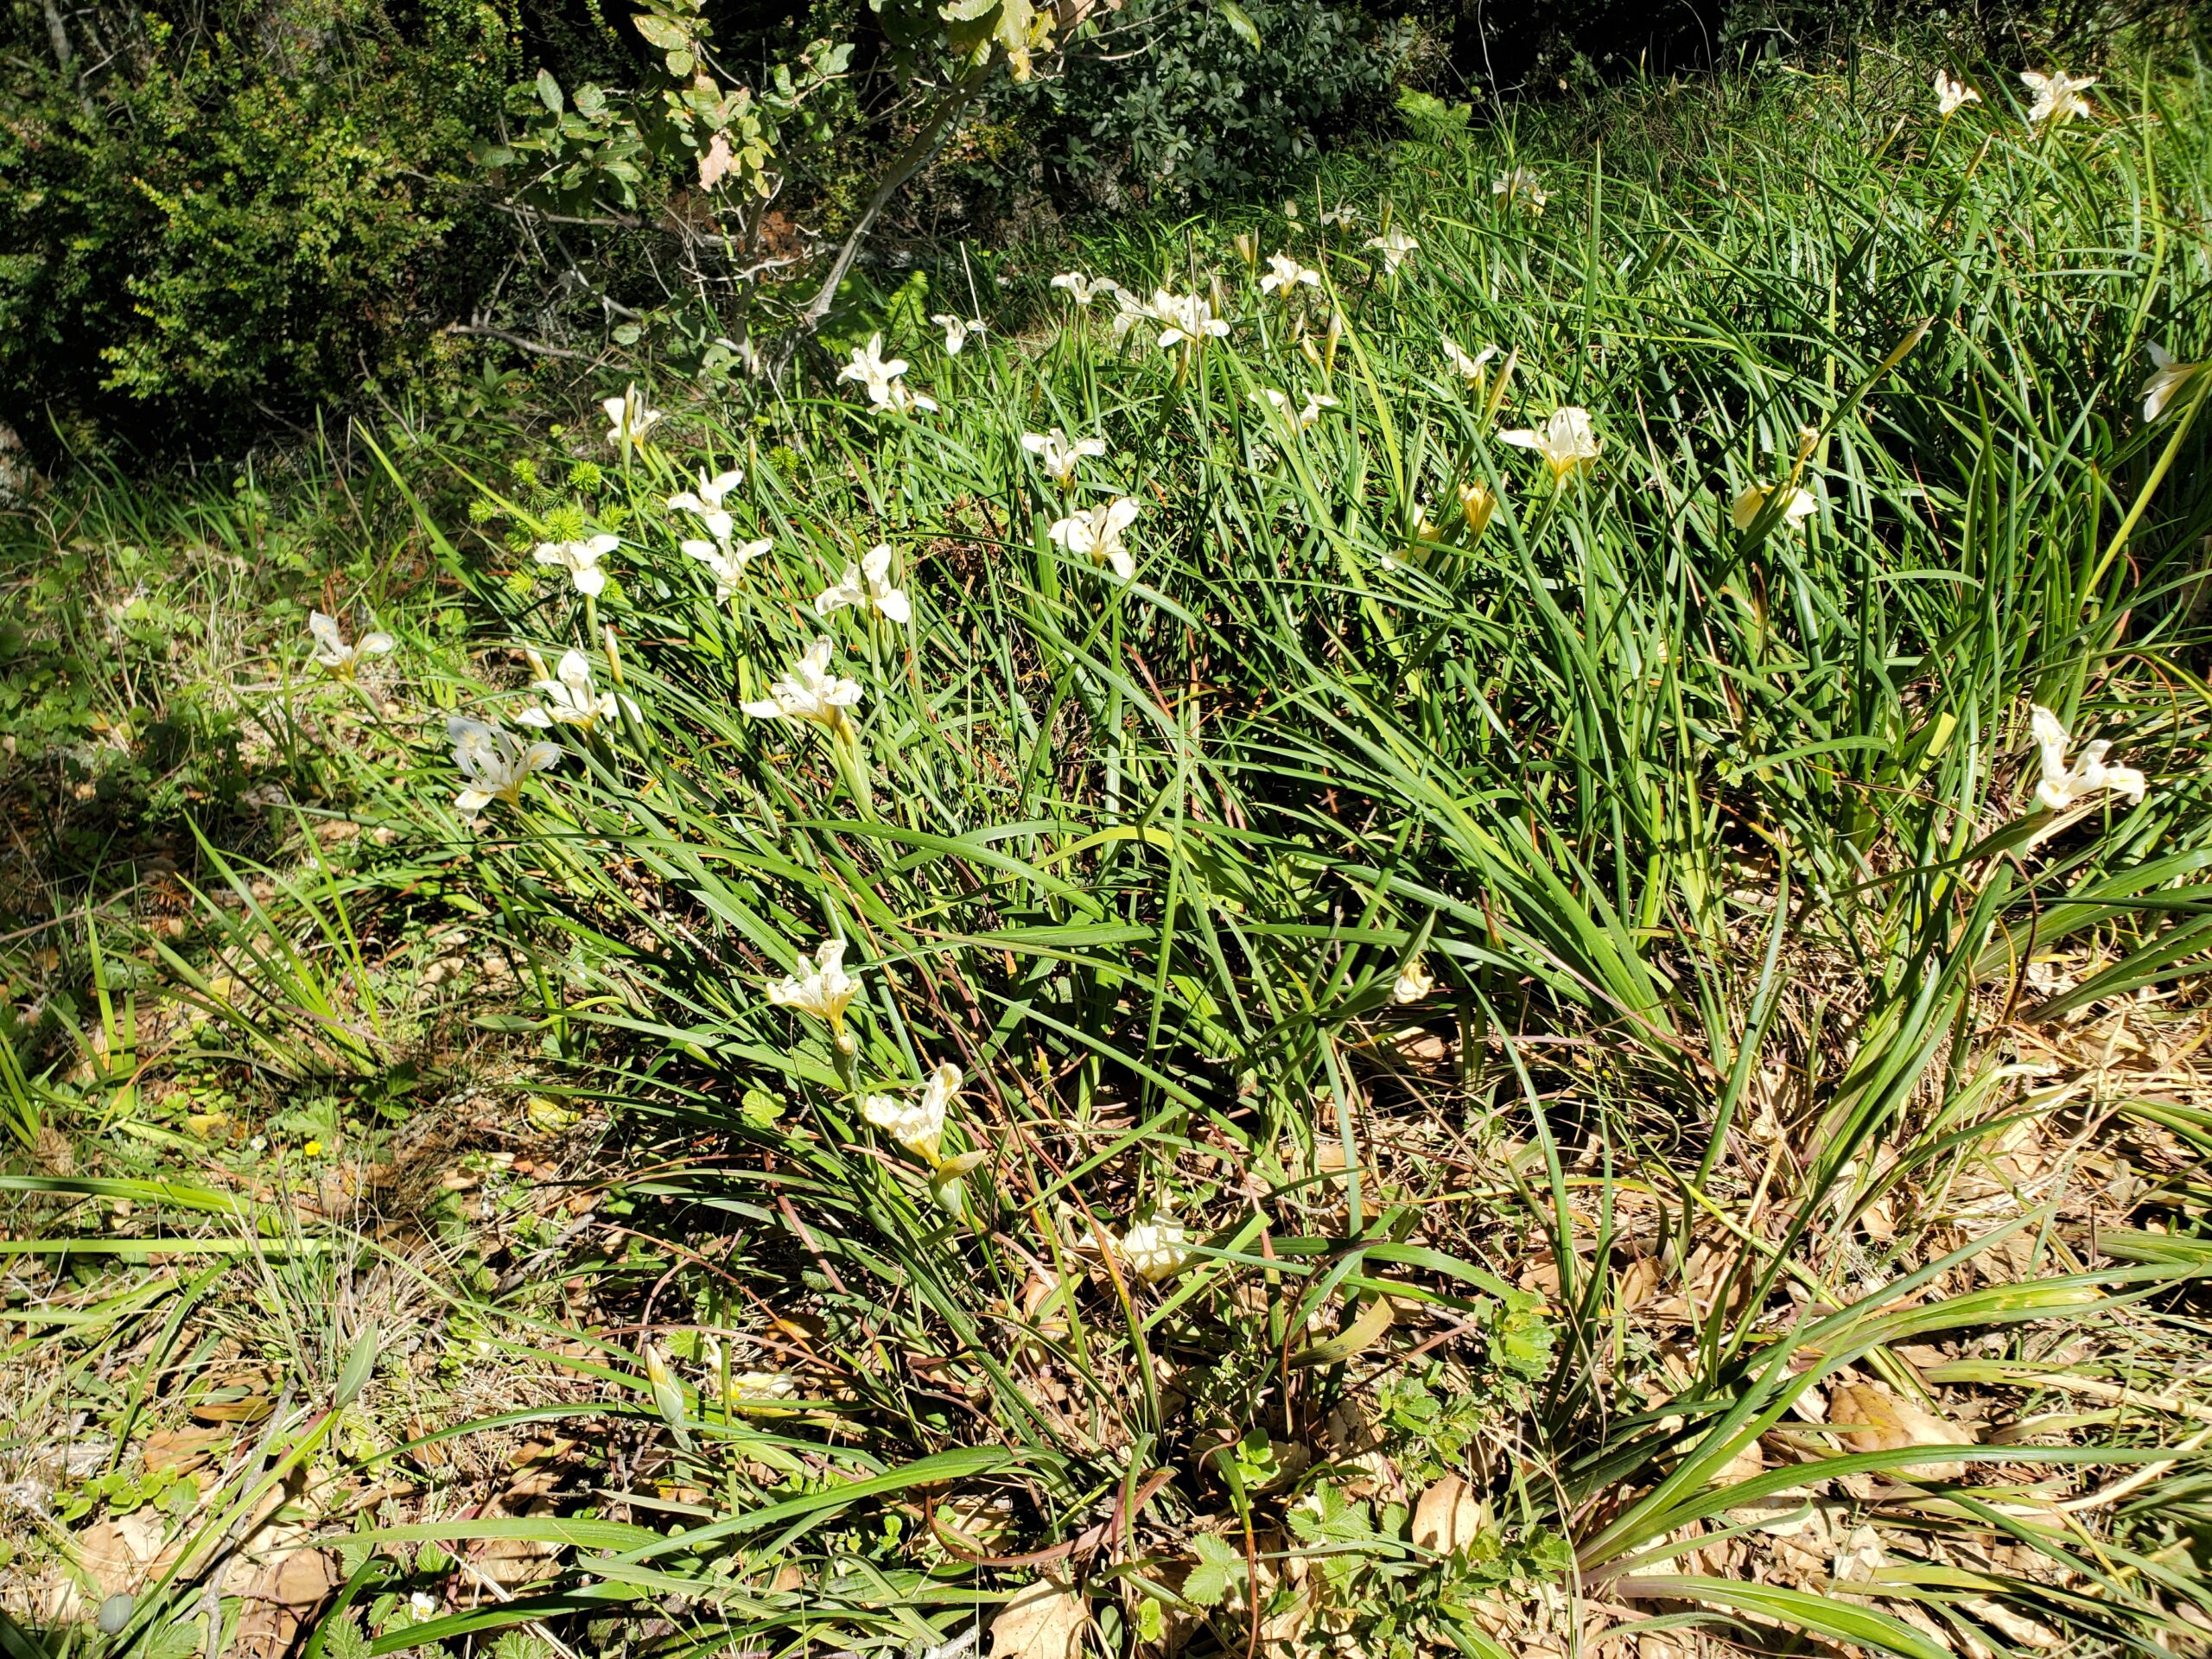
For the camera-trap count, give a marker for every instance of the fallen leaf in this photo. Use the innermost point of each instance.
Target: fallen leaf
(1872, 1419)
(1044, 1621)
(1448, 1516)
(180, 1450)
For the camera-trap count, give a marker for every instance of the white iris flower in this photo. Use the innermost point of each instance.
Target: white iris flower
(570, 698)
(726, 563)
(581, 560)
(1567, 442)
(810, 692)
(2167, 378)
(2058, 96)
(1097, 535)
(706, 502)
(1286, 274)
(494, 763)
(880, 378)
(956, 330)
(331, 650)
(1059, 455)
(825, 992)
(1952, 96)
(917, 1125)
(1747, 507)
(2061, 785)
(629, 417)
(865, 584)
(1396, 247)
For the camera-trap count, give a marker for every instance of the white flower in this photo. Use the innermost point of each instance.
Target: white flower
(1470, 369)
(1520, 183)
(1566, 441)
(728, 563)
(1395, 248)
(1084, 289)
(760, 1388)
(581, 560)
(956, 330)
(2058, 96)
(824, 993)
(1189, 319)
(1343, 216)
(707, 502)
(917, 1125)
(422, 1605)
(1747, 507)
(571, 700)
(2167, 378)
(1153, 1249)
(2060, 786)
(331, 650)
(1128, 312)
(492, 763)
(1413, 983)
(1280, 402)
(1285, 273)
(1059, 456)
(1952, 96)
(880, 378)
(810, 692)
(865, 584)
(629, 417)
(1097, 535)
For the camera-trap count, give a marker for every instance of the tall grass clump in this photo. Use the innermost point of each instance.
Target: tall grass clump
(1439, 998)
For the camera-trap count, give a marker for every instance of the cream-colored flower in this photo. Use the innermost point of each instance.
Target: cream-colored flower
(825, 992)
(726, 563)
(1519, 185)
(1315, 403)
(811, 691)
(1285, 273)
(1477, 502)
(760, 1388)
(1567, 442)
(2058, 96)
(1097, 535)
(571, 699)
(1084, 289)
(917, 1125)
(331, 650)
(1188, 318)
(629, 417)
(1474, 370)
(1129, 314)
(1154, 1249)
(1744, 513)
(1059, 455)
(2167, 378)
(1343, 217)
(881, 376)
(706, 502)
(492, 763)
(957, 329)
(1396, 247)
(1952, 96)
(2060, 785)
(1413, 982)
(581, 560)
(865, 584)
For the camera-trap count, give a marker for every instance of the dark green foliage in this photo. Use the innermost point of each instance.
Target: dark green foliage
(1201, 114)
(231, 216)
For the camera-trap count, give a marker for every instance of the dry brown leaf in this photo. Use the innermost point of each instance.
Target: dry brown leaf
(1448, 1516)
(717, 163)
(1044, 1621)
(1873, 1420)
(1747, 1462)
(180, 1450)
(282, 1597)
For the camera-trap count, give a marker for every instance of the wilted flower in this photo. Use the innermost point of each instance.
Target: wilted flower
(1413, 983)
(1520, 183)
(726, 563)
(1474, 370)
(1952, 96)
(865, 584)
(707, 502)
(2058, 96)
(956, 330)
(825, 992)
(1084, 289)
(1153, 1249)
(1395, 248)
(493, 764)
(880, 378)
(811, 691)
(571, 700)
(1477, 503)
(629, 417)
(917, 1125)
(2167, 378)
(1189, 319)
(1566, 441)
(331, 650)
(581, 560)
(1097, 535)
(1285, 273)
(1059, 455)
(1798, 507)
(2060, 786)
(1247, 246)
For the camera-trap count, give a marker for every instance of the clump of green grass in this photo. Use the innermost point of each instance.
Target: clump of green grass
(1493, 1007)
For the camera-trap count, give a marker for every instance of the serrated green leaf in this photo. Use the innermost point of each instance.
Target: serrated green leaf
(1221, 1570)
